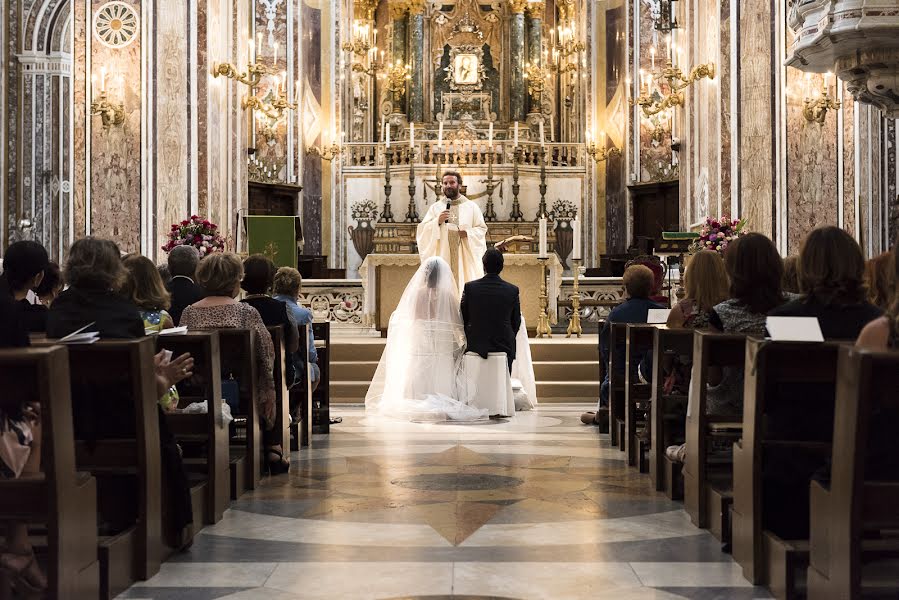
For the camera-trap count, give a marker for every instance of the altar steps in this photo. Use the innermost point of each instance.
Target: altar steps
(566, 369)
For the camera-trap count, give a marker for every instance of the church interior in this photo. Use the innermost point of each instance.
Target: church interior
(214, 216)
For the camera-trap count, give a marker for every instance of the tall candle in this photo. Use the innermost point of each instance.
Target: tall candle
(103, 79)
(516, 133)
(542, 246)
(541, 134)
(440, 135)
(411, 135)
(576, 243)
(490, 134)
(387, 138)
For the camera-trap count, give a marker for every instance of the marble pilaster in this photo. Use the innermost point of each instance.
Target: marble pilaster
(398, 54)
(534, 41)
(416, 48)
(518, 94)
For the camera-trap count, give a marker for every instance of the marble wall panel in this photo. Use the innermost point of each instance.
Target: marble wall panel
(80, 124)
(655, 131)
(312, 166)
(115, 169)
(811, 167)
(848, 174)
(614, 215)
(272, 24)
(203, 68)
(724, 83)
(218, 106)
(892, 193)
(877, 188)
(172, 125)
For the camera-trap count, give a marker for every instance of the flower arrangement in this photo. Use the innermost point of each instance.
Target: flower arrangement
(716, 234)
(364, 210)
(563, 210)
(197, 232)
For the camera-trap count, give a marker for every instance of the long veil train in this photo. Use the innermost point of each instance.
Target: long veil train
(420, 376)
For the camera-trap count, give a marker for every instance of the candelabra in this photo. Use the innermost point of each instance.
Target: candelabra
(489, 212)
(574, 324)
(396, 76)
(599, 152)
(543, 328)
(815, 110)
(110, 114)
(411, 211)
(515, 215)
(541, 209)
(536, 76)
(387, 212)
(328, 153)
(677, 82)
(254, 74)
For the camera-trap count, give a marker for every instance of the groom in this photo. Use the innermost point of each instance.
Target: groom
(491, 310)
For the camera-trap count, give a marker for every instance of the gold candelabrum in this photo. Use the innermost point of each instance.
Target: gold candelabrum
(536, 76)
(574, 324)
(327, 153)
(411, 210)
(490, 182)
(387, 212)
(396, 76)
(110, 114)
(815, 109)
(677, 82)
(543, 328)
(251, 78)
(599, 152)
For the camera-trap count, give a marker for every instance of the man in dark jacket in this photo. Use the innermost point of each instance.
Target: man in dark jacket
(183, 262)
(491, 311)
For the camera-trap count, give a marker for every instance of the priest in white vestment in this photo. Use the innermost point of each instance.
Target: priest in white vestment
(454, 230)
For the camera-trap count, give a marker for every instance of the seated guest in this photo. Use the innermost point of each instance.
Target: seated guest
(258, 277)
(182, 265)
(879, 280)
(791, 275)
(286, 287)
(831, 277)
(13, 333)
(94, 273)
(638, 284)
(51, 285)
(220, 276)
(706, 283)
(164, 274)
(23, 270)
(882, 333)
(143, 286)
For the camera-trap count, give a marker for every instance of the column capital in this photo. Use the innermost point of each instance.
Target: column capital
(536, 10)
(566, 9)
(398, 8)
(365, 9)
(518, 6)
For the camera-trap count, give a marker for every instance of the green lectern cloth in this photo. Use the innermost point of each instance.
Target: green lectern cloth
(273, 236)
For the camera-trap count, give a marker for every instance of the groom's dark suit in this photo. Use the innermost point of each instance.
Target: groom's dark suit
(492, 315)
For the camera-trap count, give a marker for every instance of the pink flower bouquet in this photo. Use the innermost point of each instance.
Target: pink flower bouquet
(197, 232)
(716, 234)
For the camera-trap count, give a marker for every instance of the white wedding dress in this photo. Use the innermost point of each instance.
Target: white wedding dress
(420, 376)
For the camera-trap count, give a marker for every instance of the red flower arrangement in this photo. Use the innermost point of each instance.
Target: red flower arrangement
(716, 234)
(197, 232)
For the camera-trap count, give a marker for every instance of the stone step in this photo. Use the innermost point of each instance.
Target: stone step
(581, 391)
(583, 370)
(553, 349)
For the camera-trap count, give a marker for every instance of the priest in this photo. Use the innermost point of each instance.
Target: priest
(454, 230)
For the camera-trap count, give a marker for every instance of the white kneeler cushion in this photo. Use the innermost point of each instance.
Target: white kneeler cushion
(491, 383)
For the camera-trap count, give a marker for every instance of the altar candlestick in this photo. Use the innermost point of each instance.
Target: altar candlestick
(576, 240)
(516, 133)
(490, 135)
(384, 128)
(552, 127)
(542, 245)
(411, 135)
(103, 79)
(388, 135)
(440, 135)
(541, 134)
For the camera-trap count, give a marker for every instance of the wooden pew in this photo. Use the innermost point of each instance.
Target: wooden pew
(854, 522)
(707, 482)
(282, 396)
(321, 396)
(638, 340)
(788, 405)
(300, 394)
(617, 333)
(62, 498)
(668, 412)
(209, 491)
(125, 366)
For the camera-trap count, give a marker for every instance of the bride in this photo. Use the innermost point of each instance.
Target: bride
(420, 375)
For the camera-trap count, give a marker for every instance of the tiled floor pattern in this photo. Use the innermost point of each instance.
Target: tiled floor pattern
(535, 507)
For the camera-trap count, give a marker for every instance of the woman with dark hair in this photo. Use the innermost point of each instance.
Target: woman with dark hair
(23, 270)
(51, 285)
(258, 277)
(882, 333)
(831, 277)
(791, 274)
(880, 280)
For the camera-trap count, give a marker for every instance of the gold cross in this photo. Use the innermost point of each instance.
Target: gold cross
(271, 251)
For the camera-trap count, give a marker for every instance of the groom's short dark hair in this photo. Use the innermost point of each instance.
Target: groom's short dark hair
(493, 261)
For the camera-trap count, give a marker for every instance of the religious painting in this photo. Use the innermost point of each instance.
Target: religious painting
(465, 69)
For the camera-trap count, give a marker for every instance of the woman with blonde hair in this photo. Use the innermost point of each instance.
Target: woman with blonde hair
(706, 284)
(146, 290)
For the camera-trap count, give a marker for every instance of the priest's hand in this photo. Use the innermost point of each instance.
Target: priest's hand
(463, 234)
(443, 218)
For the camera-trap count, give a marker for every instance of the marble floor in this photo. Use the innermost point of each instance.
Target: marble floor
(534, 507)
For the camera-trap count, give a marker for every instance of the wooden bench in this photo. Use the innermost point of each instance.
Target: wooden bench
(124, 366)
(204, 433)
(788, 406)
(321, 396)
(62, 498)
(854, 522)
(282, 396)
(617, 381)
(301, 428)
(639, 338)
(668, 411)
(708, 480)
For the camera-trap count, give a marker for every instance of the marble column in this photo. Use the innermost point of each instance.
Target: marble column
(399, 15)
(535, 12)
(416, 48)
(518, 95)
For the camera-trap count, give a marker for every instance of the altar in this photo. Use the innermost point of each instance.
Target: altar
(385, 276)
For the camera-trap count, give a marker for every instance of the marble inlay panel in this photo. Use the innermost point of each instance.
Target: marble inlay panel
(203, 68)
(312, 166)
(612, 217)
(848, 174)
(811, 167)
(724, 83)
(891, 199)
(80, 81)
(27, 172)
(271, 22)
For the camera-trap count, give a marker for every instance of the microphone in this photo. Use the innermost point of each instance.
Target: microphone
(447, 208)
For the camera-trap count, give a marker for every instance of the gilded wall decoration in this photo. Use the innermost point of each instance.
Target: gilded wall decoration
(116, 24)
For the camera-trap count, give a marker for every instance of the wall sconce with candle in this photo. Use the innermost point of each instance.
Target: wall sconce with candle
(327, 153)
(816, 107)
(676, 81)
(110, 114)
(599, 152)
